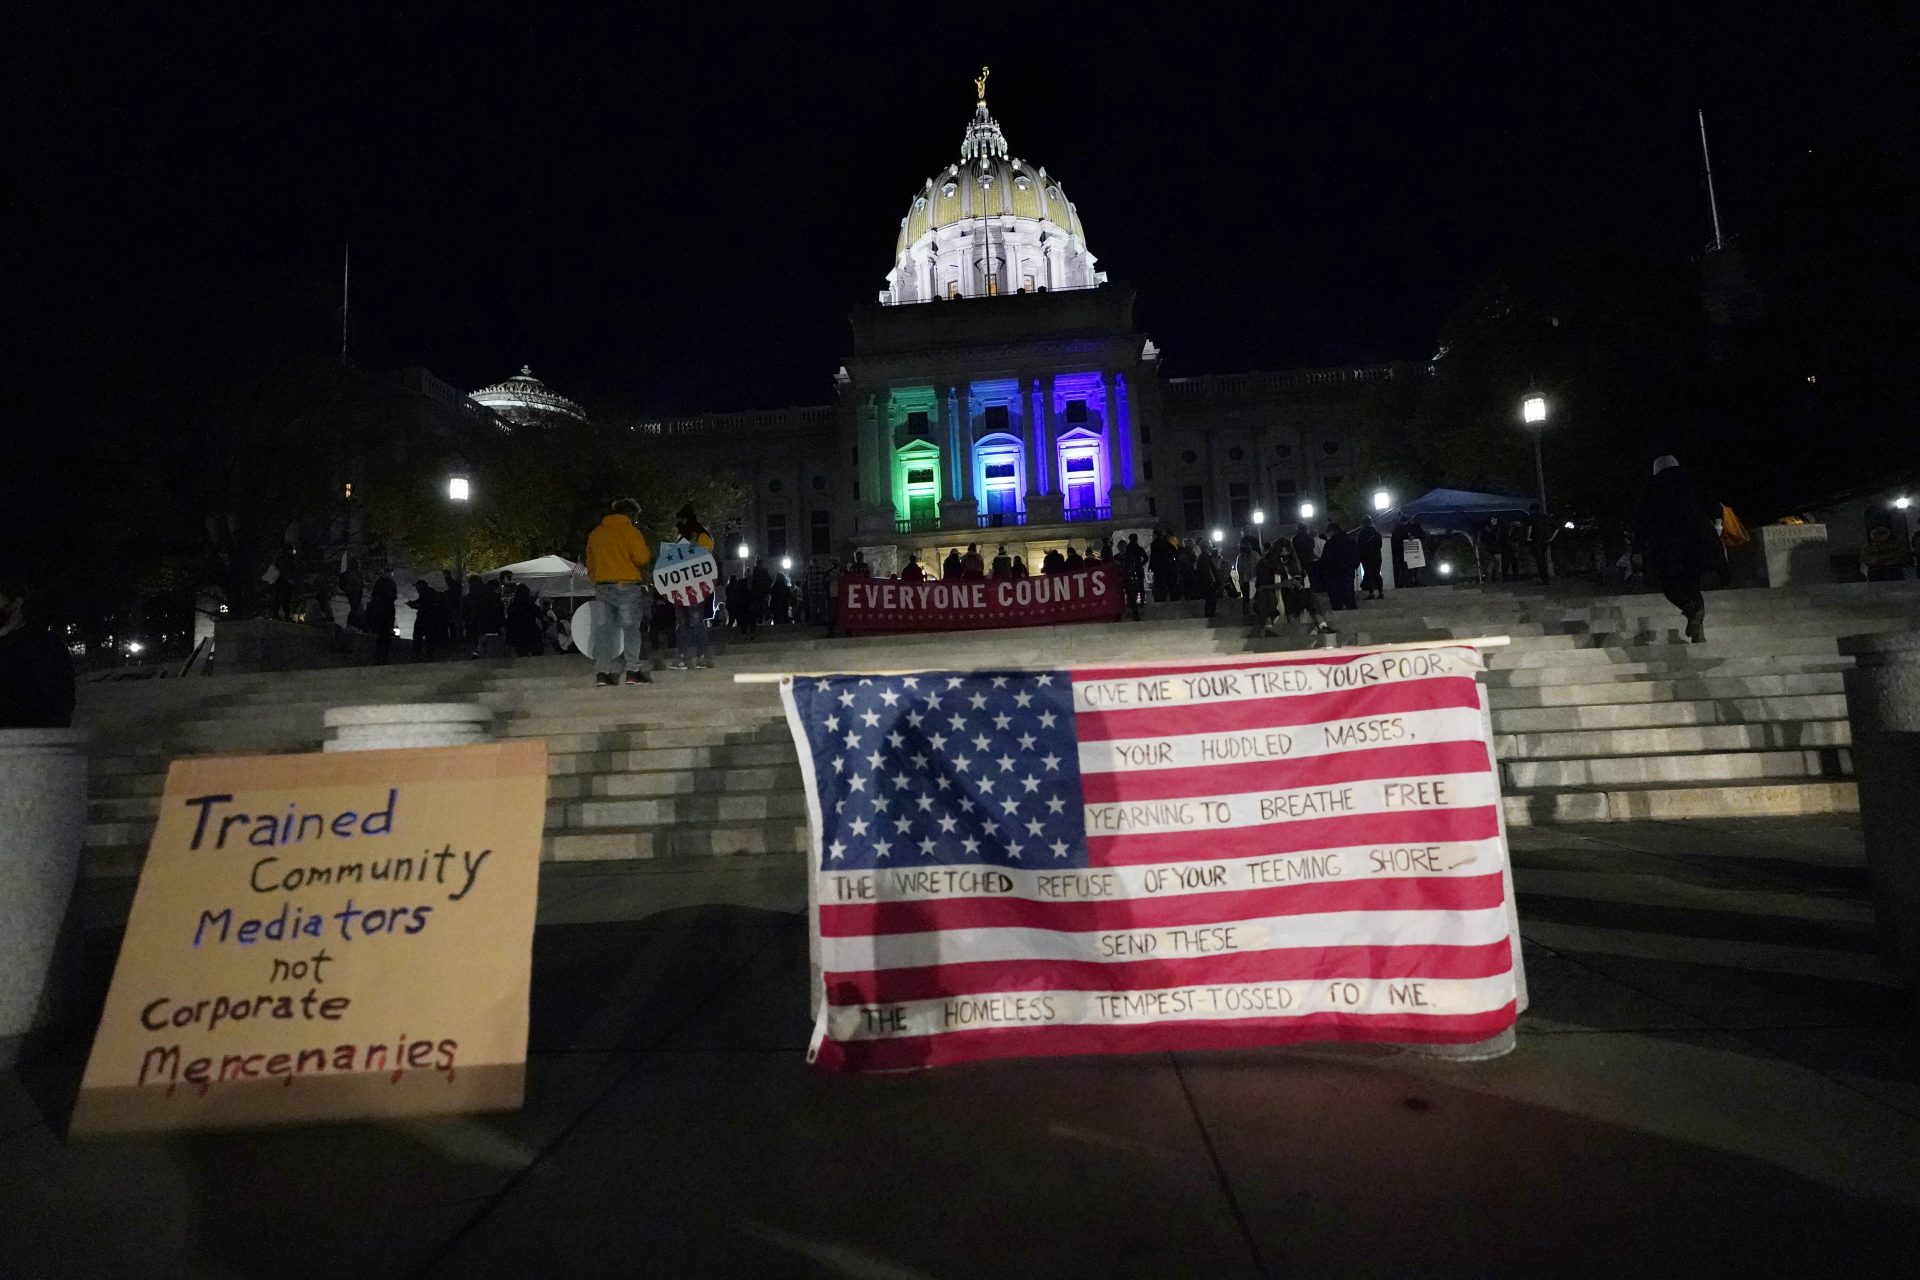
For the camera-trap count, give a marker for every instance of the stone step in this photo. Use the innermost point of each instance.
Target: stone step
(1670, 770)
(1592, 743)
(767, 731)
(729, 780)
(1670, 893)
(753, 754)
(677, 842)
(1754, 648)
(1582, 693)
(1761, 799)
(700, 809)
(1650, 715)
(1676, 668)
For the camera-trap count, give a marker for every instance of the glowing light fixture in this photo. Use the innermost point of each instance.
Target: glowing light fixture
(786, 562)
(1306, 511)
(134, 646)
(1446, 571)
(458, 490)
(1259, 516)
(1218, 536)
(1902, 502)
(1533, 409)
(1382, 499)
(742, 551)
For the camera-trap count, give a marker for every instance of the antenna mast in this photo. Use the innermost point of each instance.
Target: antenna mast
(1712, 203)
(346, 279)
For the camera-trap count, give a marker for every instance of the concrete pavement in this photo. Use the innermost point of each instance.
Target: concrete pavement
(1715, 1076)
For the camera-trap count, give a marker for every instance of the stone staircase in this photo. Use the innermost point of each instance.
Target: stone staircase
(1599, 713)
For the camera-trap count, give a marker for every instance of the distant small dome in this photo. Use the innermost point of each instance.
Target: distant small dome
(525, 400)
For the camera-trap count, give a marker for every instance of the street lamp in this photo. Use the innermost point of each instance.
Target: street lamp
(458, 490)
(1218, 536)
(1306, 511)
(1533, 412)
(741, 551)
(786, 564)
(1382, 499)
(1259, 517)
(1902, 502)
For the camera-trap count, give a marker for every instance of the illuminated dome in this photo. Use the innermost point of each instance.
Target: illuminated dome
(989, 223)
(524, 400)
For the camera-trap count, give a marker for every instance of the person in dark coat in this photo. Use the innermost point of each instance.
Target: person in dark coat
(1160, 560)
(353, 587)
(1002, 564)
(381, 608)
(1208, 582)
(1339, 561)
(1674, 536)
(1541, 531)
(950, 567)
(36, 675)
(429, 621)
(1367, 544)
(1133, 568)
(523, 624)
(1303, 549)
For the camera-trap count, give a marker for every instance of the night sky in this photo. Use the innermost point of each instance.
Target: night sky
(677, 211)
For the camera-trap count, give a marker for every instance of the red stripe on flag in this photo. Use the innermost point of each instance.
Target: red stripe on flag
(1399, 893)
(1435, 693)
(1328, 658)
(1196, 781)
(1291, 964)
(908, 1052)
(1423, 826)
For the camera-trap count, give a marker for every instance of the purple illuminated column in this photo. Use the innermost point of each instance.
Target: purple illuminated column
(1111, 424)
(1037, 439)
(1129, 478)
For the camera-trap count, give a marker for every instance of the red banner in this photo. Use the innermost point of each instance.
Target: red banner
(886, 604)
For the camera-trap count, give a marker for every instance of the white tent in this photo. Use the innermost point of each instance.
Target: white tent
(548, 575)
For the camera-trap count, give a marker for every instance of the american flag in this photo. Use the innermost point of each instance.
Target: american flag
(1176, 856)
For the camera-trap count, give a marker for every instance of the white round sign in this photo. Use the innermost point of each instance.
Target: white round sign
(581, 628)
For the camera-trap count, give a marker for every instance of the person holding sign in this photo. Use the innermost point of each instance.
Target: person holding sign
(692, 605)
(617, 560)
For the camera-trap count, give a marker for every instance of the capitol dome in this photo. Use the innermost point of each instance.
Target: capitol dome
(525, 401)
(989, 223)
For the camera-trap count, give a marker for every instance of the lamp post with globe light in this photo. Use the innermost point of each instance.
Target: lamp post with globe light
(1533, 412)
(460, 494)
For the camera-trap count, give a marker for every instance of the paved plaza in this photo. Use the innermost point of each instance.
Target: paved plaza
(1715, 1075)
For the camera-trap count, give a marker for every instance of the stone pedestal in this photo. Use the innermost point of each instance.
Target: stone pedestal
(1791, 554)
(410, 724)
(959, 513)
(1883, 709)
(43, 822)
(1044, 508)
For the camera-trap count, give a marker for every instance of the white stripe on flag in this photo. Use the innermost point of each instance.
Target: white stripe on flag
(1283, 679)
(1120, 946)
(1278, 745)
(1363, 997)
(1439, 859)
(1430, 793)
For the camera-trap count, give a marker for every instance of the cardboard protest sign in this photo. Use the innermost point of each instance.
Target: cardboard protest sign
(686, 574)
(326, 937)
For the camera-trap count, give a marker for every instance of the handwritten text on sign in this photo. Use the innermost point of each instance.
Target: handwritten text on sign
(686, 575)
(326, 937)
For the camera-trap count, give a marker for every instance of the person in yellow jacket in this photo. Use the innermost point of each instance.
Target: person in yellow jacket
(617, 560)
(692, 621)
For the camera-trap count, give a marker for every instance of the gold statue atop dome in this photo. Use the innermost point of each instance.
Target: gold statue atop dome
(980, 84)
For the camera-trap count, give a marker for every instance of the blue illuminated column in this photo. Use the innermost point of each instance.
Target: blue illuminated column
(1128, 478)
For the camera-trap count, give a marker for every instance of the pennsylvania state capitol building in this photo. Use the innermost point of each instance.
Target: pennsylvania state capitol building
(1000, 391)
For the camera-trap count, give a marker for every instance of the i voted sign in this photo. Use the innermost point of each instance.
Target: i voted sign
(686, 574)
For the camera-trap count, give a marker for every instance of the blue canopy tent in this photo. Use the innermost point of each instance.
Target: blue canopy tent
(1452, 510)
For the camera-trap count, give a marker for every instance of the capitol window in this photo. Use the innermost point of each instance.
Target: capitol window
(919, 204)
(949, 189)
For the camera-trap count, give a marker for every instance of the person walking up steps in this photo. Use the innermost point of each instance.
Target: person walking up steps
(617, 560)
(1675, 538)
